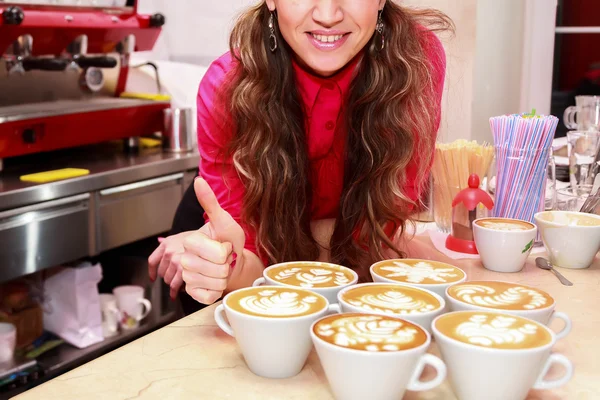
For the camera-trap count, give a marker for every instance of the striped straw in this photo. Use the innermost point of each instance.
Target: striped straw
(522, 147)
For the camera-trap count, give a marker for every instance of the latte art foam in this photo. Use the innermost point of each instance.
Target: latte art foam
(311, 275)
(419, 272)
(505, 225)
(276, 302)
(493, 330)
(391, 299)
(370, 332)
(500, 295)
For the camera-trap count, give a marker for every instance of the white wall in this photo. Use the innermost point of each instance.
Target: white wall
(498, 63)
(197, 31)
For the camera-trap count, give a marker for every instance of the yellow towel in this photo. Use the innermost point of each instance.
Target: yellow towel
(55, 175)
(146, 96)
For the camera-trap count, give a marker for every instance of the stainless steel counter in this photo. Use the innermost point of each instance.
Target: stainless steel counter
(109, 165)
(125, 198)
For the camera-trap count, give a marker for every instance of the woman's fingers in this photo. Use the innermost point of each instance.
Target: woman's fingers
(196, 280)
(195, 264)
(154, 261)
(172, 269)
(176, 285)
(203, 296)
(211, 250)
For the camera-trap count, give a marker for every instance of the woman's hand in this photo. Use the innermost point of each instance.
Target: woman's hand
(165, 261)
(208, 252)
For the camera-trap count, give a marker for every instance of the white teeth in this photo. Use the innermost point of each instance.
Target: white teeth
(327, 38)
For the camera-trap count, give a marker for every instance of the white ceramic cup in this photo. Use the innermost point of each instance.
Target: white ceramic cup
(132, 305)
(419, 275)
(359, 374)
(477, 373)
(542, 315)
(504, 250)
(272, 347)
(8, 341)
(569, 245)
(330, 293)
(110, 315)
(423, 319)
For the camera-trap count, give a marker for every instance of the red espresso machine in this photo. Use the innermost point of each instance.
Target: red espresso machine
(63, 70)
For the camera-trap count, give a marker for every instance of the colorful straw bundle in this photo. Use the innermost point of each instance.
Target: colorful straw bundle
(522, 146)
(452, 165)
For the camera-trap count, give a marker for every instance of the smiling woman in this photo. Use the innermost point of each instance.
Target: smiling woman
(316, 133)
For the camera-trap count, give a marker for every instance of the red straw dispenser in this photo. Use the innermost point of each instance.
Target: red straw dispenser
(468, 205)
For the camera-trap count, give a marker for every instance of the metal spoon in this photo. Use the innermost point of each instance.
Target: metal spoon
(542, 263)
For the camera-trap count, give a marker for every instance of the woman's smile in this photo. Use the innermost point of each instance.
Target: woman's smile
(327, 40)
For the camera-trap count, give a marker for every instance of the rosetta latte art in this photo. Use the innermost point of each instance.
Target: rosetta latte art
(391, 302)
(277, 303)
(313, 277)
(486, 296)
(419, 272)
(371, 333)
(494, 331)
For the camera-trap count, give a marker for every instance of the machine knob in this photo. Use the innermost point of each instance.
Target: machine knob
(13, 16)
(29, 136)
(157, 20)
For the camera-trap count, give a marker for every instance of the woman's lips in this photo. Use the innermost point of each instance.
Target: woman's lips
(327, 42)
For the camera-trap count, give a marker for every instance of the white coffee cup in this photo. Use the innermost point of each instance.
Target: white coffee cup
(482, 292)
(400, 300)
(478, 369)
(272, 332)
(110, 315)
(367, 374)
(320, 277)
(8, 341)
(132, 305)
(572, 239)
(425, 274)
(501, 248)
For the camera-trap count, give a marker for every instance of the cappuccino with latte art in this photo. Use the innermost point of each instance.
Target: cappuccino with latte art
(311, 274)
(504, 224)
(500, 295)
(391, 299)
(493, 330)
(276, 302)
(369, 332)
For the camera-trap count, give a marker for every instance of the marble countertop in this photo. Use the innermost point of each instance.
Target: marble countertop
(193, 359)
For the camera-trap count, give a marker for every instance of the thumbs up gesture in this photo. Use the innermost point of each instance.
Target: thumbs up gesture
(209, 252)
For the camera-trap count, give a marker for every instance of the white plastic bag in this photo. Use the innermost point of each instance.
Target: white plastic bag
(72, 305)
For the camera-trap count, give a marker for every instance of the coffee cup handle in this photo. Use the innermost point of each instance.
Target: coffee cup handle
(260, 281)
(566, 329)
(417, 385)
(334, 309)
(221, 322)
(147, 308)
(543, 384)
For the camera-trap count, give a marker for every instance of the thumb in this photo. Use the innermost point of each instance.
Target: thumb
(207, 199)
(222, 225)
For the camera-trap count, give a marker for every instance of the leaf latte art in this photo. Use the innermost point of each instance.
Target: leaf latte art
(369, 332)
(420, 272)
(276, 302)
(500, 295)
(493, 330)
(313, 277)
(311, 274)
(391, 300)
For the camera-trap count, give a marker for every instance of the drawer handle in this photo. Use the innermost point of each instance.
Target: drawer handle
(138, 185)
(39, 212)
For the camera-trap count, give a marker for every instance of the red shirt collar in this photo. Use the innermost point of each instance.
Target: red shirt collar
(309, 84)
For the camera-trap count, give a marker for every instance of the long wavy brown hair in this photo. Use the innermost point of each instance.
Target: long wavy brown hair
(391, 119)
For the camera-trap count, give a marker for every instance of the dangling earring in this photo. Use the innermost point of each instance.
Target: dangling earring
(379, 29)
(272, 37)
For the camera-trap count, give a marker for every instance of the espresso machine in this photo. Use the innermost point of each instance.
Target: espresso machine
(63, 71)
